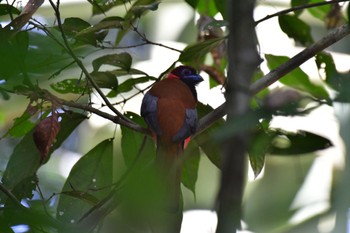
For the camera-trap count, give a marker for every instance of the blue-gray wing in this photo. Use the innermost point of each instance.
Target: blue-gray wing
(189, 126)
(149, 112)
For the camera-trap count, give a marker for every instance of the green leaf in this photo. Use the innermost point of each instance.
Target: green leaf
(102, 6)
(221, 5)
(13, 55)
(82, 196)
(295, 3)
(296, 29)
(45, 56)
(91, 177)
(319, 12)
(341, 83)
(139, 10)
(122, 60)
(259, 147)
(106, 23)
(195, 52)
(105, 80)
(193, 3)
(190, 167)
(132, 71)
(67, 86)
(69, 122)
(134, 143)
(21, 126)
(6, 9)
(25, 158)
(301, 142)
(206, 140)
(131, 82)
(324, 61)
(207, 8)
(297, 78)
(72, 26)
(22, 166)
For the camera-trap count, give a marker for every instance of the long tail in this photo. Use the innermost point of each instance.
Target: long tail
(169, 161)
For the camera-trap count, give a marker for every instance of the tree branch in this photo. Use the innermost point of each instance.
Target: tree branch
(276, 74)
(117, 120)
(298, 8)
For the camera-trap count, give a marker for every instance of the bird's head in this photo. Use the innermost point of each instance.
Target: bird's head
(186, 74)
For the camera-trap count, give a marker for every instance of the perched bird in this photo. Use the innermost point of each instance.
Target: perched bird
(169, 109)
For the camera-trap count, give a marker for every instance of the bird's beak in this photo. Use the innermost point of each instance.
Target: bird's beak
(196, 78)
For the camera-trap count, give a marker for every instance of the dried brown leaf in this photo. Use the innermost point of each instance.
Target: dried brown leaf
(45, 134)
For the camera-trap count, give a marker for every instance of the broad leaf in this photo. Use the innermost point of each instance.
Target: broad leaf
(325, 63)
(21, 126)
(295, 3)
(132, 71)
(194, 53)
(193, 3)
(69, 122)
(129, 84)
(259, 147)
(139, 10)
(102, 6)
(301, 142)
(25, 159)
(190, 167)
(22, 167)
(341, 83)
(105, 80)
(122, 60)
(296, 29)
(89, 180)
(72, 26)
(207, 7)
(319, 12)
(221, 5)
(13, 55)
(67, 86)
(7, 9)
(134, 144)
(206, 140)
(297, 78)
(106, 23)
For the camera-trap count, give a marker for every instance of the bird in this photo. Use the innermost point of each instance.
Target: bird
(169, 110)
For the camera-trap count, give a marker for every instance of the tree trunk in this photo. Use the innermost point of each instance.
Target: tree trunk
(243, 61)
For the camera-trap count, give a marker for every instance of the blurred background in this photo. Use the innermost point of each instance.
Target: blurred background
(303, 193)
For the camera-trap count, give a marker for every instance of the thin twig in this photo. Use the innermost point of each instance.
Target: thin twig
(153, 43)
(298, 8)
(10, 195)
(112, 118)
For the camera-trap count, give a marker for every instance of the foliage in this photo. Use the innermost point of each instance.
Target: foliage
(34, 62)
